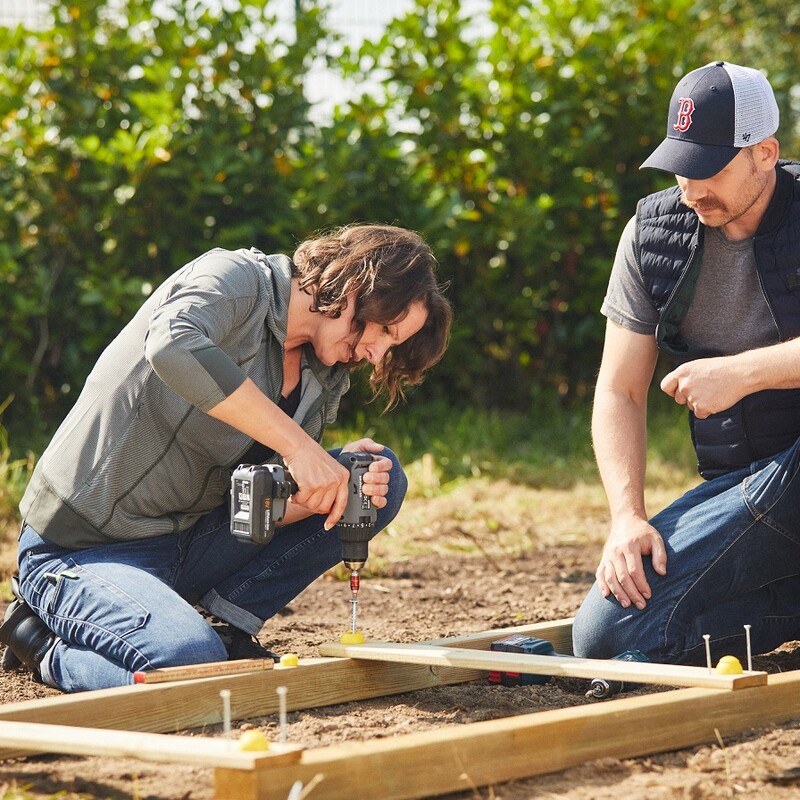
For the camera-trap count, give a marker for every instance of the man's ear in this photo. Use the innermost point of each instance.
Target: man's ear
(766, 153)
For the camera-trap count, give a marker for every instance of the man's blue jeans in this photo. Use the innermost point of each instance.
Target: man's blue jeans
(128, 606)
(733, 559)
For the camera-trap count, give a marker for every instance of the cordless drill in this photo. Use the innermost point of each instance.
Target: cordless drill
(356, 525)
(259, 493)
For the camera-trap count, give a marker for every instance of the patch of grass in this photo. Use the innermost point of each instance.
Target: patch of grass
(479, 481)
(500, 484)
(549, 447)
(475, 443)
(10, 791)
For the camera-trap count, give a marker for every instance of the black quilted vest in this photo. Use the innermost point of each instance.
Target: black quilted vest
(669, 249)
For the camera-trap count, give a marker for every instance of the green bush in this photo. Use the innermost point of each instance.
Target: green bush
(14, 476)
(133, 142)
(134, 136)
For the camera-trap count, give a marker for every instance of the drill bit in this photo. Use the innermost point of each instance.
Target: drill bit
(355, 583)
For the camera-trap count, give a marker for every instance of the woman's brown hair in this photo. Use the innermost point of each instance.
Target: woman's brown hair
(387, 269)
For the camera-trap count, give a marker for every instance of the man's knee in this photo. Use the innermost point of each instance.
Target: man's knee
(587, 636)
(596, 628)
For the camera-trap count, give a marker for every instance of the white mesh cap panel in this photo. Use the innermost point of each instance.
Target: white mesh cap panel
(756, 113)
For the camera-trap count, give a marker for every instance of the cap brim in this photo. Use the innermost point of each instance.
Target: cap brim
(690, 160)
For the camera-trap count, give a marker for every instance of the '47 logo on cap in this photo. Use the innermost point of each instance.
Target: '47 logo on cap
(685, 111)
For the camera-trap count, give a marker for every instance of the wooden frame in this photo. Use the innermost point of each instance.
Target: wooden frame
(413, 765)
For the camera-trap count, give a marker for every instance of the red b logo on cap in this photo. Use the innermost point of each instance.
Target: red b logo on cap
(685, 111)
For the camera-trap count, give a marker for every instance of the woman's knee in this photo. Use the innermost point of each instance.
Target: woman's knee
(190, 640)
(398, 486)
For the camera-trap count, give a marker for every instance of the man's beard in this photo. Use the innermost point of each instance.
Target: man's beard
(751, 190)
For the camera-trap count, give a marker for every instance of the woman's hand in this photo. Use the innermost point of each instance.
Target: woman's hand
(376, 478)
(322, 483)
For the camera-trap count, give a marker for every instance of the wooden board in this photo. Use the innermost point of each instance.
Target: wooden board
(199, 750)
(557, 632)
(209, 670)
(463, 757)
(563, 666)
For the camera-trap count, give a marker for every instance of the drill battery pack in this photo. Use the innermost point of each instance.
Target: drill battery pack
(517, 643)
(258, 501)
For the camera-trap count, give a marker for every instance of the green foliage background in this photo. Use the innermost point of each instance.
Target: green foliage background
(132, 140)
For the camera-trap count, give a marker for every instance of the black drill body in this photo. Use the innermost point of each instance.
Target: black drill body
(259, 493)
(358, 520)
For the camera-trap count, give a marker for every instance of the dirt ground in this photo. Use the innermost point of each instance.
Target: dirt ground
(425, 596)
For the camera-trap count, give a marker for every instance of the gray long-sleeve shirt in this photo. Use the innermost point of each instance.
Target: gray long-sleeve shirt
(137, 456)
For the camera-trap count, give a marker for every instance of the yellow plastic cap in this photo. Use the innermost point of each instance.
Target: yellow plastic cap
(729, 665)
(352, 637)
(289, 660)
(253, 740)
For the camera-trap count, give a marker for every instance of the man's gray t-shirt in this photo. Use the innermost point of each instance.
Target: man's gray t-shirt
(729, 313)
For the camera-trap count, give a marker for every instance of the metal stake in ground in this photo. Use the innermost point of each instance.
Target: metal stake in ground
(225, 694)
(281, 690)
(749, 650)
(707, 637)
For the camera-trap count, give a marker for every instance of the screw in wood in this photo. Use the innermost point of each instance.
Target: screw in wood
(707, 637)
(749, 649)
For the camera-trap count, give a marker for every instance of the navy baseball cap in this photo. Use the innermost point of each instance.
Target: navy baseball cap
(715, 111)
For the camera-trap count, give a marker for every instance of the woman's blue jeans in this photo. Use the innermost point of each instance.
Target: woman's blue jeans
(128, 606)
(733, 559)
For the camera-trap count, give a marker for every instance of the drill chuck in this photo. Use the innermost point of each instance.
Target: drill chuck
(354, 553)
(600, 688)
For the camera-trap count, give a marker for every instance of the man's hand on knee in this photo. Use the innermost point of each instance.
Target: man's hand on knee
(621, 569)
